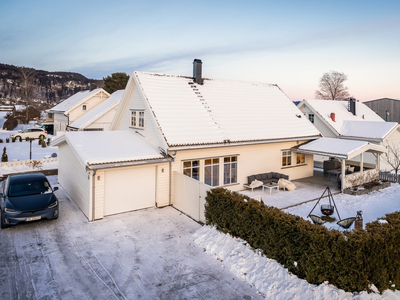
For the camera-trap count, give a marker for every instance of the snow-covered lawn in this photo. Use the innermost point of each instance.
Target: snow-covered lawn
(374, 205)
(21, 150)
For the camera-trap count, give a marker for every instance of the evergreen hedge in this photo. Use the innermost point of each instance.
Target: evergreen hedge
(350, 260)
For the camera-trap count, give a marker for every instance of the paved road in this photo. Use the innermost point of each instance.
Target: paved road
(147, 254)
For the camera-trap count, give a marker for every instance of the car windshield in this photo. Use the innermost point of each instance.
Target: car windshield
(29, 186)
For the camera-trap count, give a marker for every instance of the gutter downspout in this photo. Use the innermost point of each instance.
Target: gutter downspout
(93, 192)
(170, 176)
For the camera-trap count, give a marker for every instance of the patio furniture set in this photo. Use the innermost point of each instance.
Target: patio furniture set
(266, 181)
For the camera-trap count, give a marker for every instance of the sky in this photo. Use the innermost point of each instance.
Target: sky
(289, 43)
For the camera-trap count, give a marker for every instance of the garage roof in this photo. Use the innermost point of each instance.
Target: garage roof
(111, 148)
(339, 148)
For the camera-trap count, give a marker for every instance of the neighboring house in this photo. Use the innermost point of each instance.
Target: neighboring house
(387, 108)
(100, 117)
(351, 120)
(74, 107)
(175, 137)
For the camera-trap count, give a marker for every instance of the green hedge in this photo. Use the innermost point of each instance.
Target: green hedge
(350, 260)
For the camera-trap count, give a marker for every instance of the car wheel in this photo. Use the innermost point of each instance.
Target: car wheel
(27, 139)
(18, 138)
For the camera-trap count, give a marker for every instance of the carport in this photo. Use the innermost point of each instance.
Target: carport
(344, 150)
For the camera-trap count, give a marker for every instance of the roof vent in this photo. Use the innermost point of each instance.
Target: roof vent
(352, 106)
(333, 117)
(197, 64)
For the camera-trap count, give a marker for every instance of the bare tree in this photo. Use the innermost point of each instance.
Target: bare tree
(27, 82)
(392, 157)
(331, 86)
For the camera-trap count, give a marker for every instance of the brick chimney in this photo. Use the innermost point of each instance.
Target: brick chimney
(333, 117)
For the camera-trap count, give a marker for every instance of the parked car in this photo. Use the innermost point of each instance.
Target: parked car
(30, 133)
(48, 127)
(27, 197)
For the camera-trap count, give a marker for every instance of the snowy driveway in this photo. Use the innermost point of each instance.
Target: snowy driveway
(147, 254)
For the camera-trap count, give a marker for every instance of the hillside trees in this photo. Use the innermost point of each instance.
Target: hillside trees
(331, 86)
(115, 82)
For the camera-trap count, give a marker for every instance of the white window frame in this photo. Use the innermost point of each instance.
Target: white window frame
(137, 118)
(288, 155)
(210, 163)
(188, 169)
(233, 167)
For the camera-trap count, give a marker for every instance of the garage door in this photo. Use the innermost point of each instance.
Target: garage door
(129, 189)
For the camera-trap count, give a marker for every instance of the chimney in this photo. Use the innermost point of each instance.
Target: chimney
(197, 71)
(333, 117)
(352, 106)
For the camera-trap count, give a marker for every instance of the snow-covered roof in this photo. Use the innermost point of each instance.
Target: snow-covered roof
(221, 111)
(19, 108)
(367, 129)
(106, 147)
(75, 99)
(98, 110)
(339, 148)
(324, 108)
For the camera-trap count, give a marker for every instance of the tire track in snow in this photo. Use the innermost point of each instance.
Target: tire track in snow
(100, 272)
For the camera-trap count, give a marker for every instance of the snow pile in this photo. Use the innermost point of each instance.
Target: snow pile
(5, 170)
(266, 275)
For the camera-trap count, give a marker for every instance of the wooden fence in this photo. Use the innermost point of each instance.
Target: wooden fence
(389, 177)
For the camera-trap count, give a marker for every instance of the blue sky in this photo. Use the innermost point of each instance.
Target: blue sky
(290, 43)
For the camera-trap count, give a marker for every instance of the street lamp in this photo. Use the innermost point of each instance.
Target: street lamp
(30, 147)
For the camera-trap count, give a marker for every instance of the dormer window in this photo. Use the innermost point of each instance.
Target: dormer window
(84, 107)
(137, 118)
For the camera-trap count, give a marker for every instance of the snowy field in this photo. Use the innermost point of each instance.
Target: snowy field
(21, 150)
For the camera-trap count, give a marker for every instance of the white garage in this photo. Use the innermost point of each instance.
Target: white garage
(123, 174)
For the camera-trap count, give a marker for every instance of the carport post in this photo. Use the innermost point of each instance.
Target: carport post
(343, 174)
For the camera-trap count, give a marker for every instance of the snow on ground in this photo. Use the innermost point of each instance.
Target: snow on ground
(374, 205)
(21, 150)
(270, 278)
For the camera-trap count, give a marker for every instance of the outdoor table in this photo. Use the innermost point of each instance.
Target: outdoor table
(270, 186)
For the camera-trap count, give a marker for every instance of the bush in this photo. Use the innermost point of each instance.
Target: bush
(7, 140)
(4, 157)
(349, 260)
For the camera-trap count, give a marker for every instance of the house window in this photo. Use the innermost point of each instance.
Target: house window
(286, 158)
(137, 118)
(311, 117)
(230, 169)
(211, 171)
(301, 158)
(84, 107)
(191, 169)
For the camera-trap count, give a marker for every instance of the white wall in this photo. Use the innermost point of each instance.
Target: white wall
(74, 179)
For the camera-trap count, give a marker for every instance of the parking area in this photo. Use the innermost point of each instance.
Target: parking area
(147, 254)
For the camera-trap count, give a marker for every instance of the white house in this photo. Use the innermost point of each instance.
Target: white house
(100, 117)
(74, 107)
(175, 136)
(353, 121)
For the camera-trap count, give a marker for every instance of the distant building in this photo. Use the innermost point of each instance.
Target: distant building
(387, 108)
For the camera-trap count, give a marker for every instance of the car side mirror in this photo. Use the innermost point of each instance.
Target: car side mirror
(55, 189)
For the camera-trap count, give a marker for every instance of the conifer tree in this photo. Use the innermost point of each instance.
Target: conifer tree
(4, 157)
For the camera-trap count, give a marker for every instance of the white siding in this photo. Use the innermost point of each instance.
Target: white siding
(104, 121)
(318, 123)
(252, 159)
(74, 179)
(60, 123)
(90, 104)
(163, 185)
(136, 101)
(99, 194)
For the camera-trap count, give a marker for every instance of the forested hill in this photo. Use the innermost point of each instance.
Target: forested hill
(38, 87)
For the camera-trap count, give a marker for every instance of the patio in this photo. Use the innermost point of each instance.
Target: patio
(307, 189)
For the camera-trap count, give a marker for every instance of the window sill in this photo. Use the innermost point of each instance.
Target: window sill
(289, 167)
(231, 184)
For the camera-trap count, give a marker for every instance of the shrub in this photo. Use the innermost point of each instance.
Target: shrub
(4, 157)
(35, 164)
(349, 260)
(1, 141)
(7, 140)
(10, 123)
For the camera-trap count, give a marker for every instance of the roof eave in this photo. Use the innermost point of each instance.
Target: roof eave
(110, 165)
